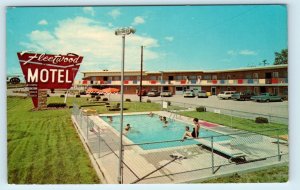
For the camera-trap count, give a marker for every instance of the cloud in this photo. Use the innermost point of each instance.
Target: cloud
(169, 38)
(114, 13)
(43, 22)
(138, 20)
(89, 10)
(245, 52)
(98, 44)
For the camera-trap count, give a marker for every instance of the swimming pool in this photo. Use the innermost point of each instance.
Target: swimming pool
(150, 129)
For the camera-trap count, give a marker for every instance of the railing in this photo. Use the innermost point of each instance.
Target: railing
(190, 82)
(175, 161)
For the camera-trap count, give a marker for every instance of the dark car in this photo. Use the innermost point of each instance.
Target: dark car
(267, 97)
(242, 95)
(153, 93)
(166, 94)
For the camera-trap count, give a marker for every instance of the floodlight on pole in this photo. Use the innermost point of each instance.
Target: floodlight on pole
(122, 32)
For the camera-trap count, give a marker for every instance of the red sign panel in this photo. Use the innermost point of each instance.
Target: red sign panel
(46, 71)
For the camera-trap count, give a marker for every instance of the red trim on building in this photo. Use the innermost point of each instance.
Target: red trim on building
(240, 81)
(183, 82)
(126, 81)
(274, 80)
(153, 82)
(214, 81)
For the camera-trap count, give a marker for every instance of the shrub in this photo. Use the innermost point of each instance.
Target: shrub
(62, 96)
(98, 98)
(201, 109)
(77, 96)
(127, 100)
(56, 105)
(105, 99)
(261, 120)
(48, 95)
(148, 101)
(169, 103)
(82, 93)
(92, 96)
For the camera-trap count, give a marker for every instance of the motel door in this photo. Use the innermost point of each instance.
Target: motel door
(213, 90)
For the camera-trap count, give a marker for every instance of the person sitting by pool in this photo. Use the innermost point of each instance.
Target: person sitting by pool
(187, 133)
(110, 118)
(150, 114)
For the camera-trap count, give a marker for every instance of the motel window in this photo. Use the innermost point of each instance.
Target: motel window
(214, 77)
(117, 78)
(275, 74)
(153, 78)
(248, 76)
(275, 91)
(228, 77)
(127, 78)
(207, 77)
(255, 75)
(178, 77)
(193, 77)
(185, 78)
(285, 74)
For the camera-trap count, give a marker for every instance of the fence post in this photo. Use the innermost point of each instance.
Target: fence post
(212, 155)
(87, 127)
(99, 143)
(231, 119)
(80, 116)
(278, 147)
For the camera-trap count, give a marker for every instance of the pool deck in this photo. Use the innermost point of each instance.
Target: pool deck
(181, 164)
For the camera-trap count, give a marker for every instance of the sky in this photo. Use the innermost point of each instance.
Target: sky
(175, 37)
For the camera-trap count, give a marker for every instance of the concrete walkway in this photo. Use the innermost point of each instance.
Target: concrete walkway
(179, 164)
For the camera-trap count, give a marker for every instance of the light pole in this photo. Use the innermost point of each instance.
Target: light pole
(122, 32)
(141, 79)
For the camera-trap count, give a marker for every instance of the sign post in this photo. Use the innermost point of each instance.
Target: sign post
(47, 71)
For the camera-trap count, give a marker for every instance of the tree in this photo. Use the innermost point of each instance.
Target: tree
(281, 57)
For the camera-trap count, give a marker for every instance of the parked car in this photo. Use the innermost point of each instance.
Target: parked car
(242, 95)
(188, 93)
(142, 93)
(166, 94)
(225, 94)
(202, 94)
(266, 97)
(153, 93)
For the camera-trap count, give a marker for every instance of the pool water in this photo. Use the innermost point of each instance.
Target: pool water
(150, 129)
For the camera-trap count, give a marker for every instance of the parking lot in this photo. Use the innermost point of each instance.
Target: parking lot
(279, 109)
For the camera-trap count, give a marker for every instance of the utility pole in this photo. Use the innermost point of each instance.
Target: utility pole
(141, 77)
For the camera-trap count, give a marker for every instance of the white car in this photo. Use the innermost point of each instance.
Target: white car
(225, 94)
(189, 93)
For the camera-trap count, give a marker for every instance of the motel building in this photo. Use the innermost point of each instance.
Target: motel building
(272, 79)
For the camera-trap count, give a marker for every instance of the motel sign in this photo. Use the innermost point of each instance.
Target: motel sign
(46, 71)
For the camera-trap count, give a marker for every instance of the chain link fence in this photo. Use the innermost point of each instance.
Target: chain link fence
(177, 161)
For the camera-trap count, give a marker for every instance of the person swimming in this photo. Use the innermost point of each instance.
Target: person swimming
(150, 114)
(127, 129)
(110, 118)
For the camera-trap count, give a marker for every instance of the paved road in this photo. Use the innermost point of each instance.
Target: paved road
(247, 109)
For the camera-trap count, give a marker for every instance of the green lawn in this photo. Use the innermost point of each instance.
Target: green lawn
(271, 175)
(238, 123)
(43, 147)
